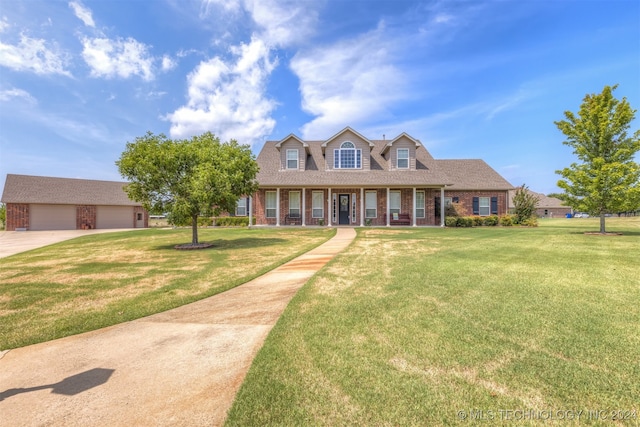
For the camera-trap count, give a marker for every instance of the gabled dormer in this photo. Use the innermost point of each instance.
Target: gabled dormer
(293, 153)
(400, 152)
(347, 151)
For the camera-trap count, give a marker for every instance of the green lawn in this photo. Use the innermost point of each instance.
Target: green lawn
(100, 280)
(412, 326)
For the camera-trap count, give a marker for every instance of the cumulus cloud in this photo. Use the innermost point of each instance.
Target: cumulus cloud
(82, 13)
(168, 63)
(117, 58)
(228, 98)
(347, 83)
(33, 55)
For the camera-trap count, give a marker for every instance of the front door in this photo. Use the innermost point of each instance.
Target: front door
(344, 209)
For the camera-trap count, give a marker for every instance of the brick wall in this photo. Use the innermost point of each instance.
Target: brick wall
(86, 217)
(466, 199)
(17, 216)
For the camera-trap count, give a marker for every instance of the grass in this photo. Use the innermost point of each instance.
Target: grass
(103, 279)
(412, 326)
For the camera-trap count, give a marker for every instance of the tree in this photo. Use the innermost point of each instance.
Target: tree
(3, 215)
(607, 179)
(188, 178)
(524, 204)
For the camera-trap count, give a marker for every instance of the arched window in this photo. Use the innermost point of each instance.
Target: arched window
(347, 156)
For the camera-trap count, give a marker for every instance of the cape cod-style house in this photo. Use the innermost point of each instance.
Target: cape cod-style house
(349, 179)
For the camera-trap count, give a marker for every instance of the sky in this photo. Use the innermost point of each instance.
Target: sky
(469, 79)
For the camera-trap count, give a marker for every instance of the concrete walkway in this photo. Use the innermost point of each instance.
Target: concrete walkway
(182, 367)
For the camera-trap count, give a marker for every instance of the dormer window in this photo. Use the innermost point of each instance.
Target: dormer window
(347, 156)
(292, 159)
(403, 158)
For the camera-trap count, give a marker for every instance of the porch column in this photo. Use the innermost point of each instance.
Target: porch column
(442, 207)
(277, 207)
(388, 207)
(250, 212)
(304, 205)
(362, 207)
(414, 207)
(329, 211)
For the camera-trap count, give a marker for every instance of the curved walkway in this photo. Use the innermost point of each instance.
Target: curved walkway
(182, 367)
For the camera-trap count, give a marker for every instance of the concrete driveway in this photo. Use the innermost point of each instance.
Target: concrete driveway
(182, 367)
(13, 242)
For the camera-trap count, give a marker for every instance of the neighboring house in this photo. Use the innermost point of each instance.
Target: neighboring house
(44, 203)
(352, 180)
(547, 207)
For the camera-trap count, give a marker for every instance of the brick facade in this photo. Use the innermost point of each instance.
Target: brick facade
(17, 216)
(86, 217)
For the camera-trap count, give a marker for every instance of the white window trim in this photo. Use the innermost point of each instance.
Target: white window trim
(418, 207)
(487, 207)
(375, 208)
(242, 202)
(398, 158)
(357, 153)
(399, 207)
(266, 204)
(295, 196)
(296, 158)
(314, 207)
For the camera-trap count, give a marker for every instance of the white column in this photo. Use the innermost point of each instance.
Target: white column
(250, 212)
(414, 207)
(329, 209)
(362, 207)
(442, 207)
(388, 207)
(304, 205)
(277, 207)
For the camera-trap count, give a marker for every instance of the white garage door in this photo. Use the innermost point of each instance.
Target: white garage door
(114, 217)
(52, 217)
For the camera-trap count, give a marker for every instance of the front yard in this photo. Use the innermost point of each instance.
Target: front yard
(459, 326)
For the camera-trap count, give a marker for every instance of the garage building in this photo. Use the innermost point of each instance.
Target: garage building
(45, 203)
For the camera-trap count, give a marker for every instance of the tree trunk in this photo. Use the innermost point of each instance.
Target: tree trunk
(194, 229)
(602, 229)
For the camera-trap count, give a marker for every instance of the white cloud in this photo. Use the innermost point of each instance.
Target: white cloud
(347, 83)
(228, 98)
(82, 13)
(7, 95)
(283, 22)
(168, 63)
(4, 24)
(117, 58)
(33, 55)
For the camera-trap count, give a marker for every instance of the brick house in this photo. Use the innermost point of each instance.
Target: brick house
(44, 203)
(547, 207)
(349, 179)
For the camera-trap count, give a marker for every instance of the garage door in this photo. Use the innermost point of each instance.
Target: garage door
(52, 217)
(114, 217)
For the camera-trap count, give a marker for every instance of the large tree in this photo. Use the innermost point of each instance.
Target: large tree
(188, 178)
(607, 179)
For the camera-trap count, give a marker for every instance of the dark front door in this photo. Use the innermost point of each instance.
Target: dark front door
(344, 209)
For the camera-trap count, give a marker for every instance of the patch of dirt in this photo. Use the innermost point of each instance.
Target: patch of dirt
(191, 246)
(597, 233)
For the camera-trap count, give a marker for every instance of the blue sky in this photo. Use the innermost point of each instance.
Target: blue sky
(470, 79)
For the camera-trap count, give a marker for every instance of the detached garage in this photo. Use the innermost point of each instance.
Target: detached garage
(44, 203)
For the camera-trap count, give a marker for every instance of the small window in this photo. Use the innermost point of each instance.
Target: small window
(419, 204)
(241, 207)
(294, 204)
(485, 206)
(371, 204)
(270, 204)
(317, 201)
(403, 158)
(394, 202)
(139, 217)
(292, 159)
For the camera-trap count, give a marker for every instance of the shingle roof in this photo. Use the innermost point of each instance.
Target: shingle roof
(543, 201)
(460, 174)
(65, 191)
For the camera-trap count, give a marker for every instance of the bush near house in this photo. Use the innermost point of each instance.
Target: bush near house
(476, 221)
(233, 221)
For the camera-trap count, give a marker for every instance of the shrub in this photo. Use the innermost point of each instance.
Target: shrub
(232, 221)
(477, 221)
(506, 220)
(530, 222)
(451, 221)
(464, 221)
(491, 220)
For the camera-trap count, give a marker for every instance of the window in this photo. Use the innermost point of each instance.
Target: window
(394, 202)
(347, 157)
(419, 204)
(292, 159)
(484, 206)
(294, 204)
(447, 202)
(270, 204)
(354, 206)
(403, 158)
(317, 204)
(371, 204)
(241, 207)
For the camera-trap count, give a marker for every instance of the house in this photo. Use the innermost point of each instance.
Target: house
(44, 203)
(349, 179)
(547, 207)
